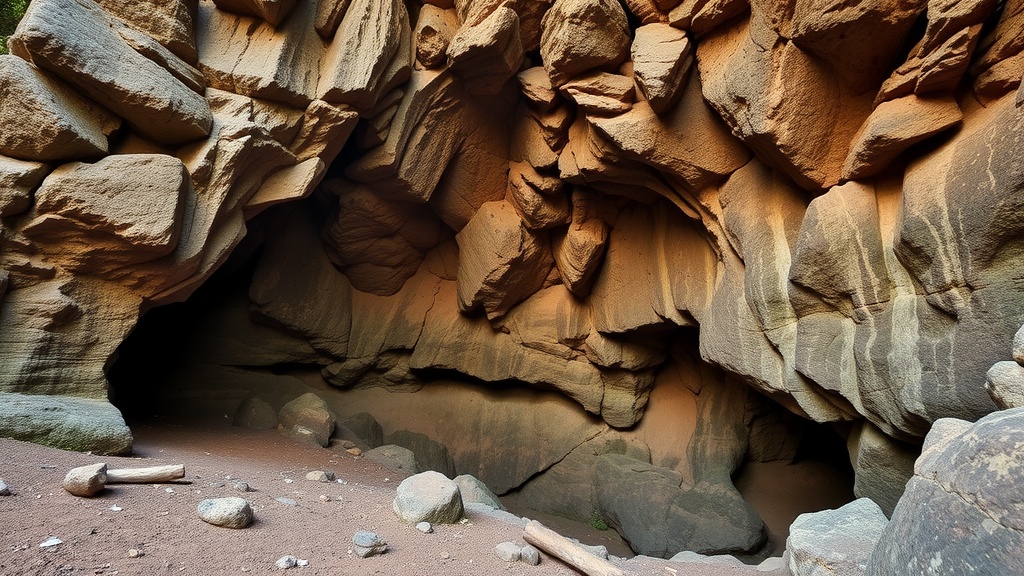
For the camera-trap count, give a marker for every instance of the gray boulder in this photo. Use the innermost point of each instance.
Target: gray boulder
(1004, 383)
(962, 512)
(428, 497)
(835, 542)
(366, 428)
(881, 465)
(430, 455)
(255, 413)
(366, 544)
(230, 512)
(65, 422)
(663, 517)
(394, 457)
(308, 411)
(474, 490)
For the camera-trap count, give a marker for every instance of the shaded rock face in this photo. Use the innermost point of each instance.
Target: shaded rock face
(823, 199)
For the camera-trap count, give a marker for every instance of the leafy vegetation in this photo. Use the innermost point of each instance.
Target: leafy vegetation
(596, 522)
(11, 12)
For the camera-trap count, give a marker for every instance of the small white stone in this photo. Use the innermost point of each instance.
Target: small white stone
(51, 541)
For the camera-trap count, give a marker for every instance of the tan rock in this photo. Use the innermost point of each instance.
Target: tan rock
(287, 184)
(662, 57)
(689, 141)
(999, 80)
(371, 53)
(18, 180)
(646, 11)
(283, 287)
(156, 52)
(484, 56)
(78, 42)
(942, 69)
(123, 209)
(501, 262)
(703, 16)
(641, 285)
(613, 86)
(531, 142)
(325, 129)
(168, 22)
(401, 167)
(539, 210)
(378, 243)
(328, 16)
(64, 125)
(949, 18)
(783, 103)
(1004, 41)
(434, 30)
(580, 35)
(272, 11)
(893, 127)
(536, 86)
(578, 250)
(244, 55)
(857, 41)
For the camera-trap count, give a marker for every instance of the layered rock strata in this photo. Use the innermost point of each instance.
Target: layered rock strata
(543, 193)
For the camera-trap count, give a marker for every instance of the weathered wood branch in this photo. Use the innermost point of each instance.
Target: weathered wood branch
(558, 546)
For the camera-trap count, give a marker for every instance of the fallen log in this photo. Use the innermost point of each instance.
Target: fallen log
(558, 546)
(153, 474)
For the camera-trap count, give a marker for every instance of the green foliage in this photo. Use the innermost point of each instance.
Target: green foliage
(11, 12)
(596, 522)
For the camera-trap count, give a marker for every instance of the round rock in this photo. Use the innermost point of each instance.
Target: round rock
(231, 512)
(86, 480)
(508, 551)
(428, 497)
(529, 555)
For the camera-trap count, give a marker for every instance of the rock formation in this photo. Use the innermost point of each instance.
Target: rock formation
(822, 201)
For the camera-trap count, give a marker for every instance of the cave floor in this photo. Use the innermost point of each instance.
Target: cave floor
(161, 521)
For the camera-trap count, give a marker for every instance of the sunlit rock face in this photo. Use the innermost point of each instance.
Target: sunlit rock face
(823, 200)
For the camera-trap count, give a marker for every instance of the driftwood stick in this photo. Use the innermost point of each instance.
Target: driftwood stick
(558, 546)
(146, 475)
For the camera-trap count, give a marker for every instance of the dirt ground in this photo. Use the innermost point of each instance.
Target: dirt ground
(161, 520)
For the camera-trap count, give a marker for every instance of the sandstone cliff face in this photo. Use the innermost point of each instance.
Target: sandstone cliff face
(538, 192)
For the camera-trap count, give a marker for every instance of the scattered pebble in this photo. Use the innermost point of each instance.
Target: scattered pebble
(230, 512)
(387, 479)
(5, 490)
(354, 451)
(286, 562)
(425, 527)
(325, 498)
(508, 551)
(302, 563)
(115, 508)
(366, 544)
(286, 501)
(51, 541)
(169, 490)
(288, 480)
(529, 555)
(216, 484)
(445, 556)
(241, 487)
(320, 476)
(48, 466)
(135, 553)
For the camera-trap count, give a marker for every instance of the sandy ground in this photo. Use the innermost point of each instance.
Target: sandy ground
(161, 520)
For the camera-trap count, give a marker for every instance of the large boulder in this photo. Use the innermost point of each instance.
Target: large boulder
(962, 512)
(428, 497)
(64, 124)
(79, 42)
(308, 411)
(834, 542)
(65, 422)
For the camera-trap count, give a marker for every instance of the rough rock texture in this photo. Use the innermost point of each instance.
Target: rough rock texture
(230, 512)
(825, 209)
(835, 542)
(86, 480)
(428, 497)
(78, 42)
(967, 475)
(65, 422)
(310, 412)
(65, 125)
